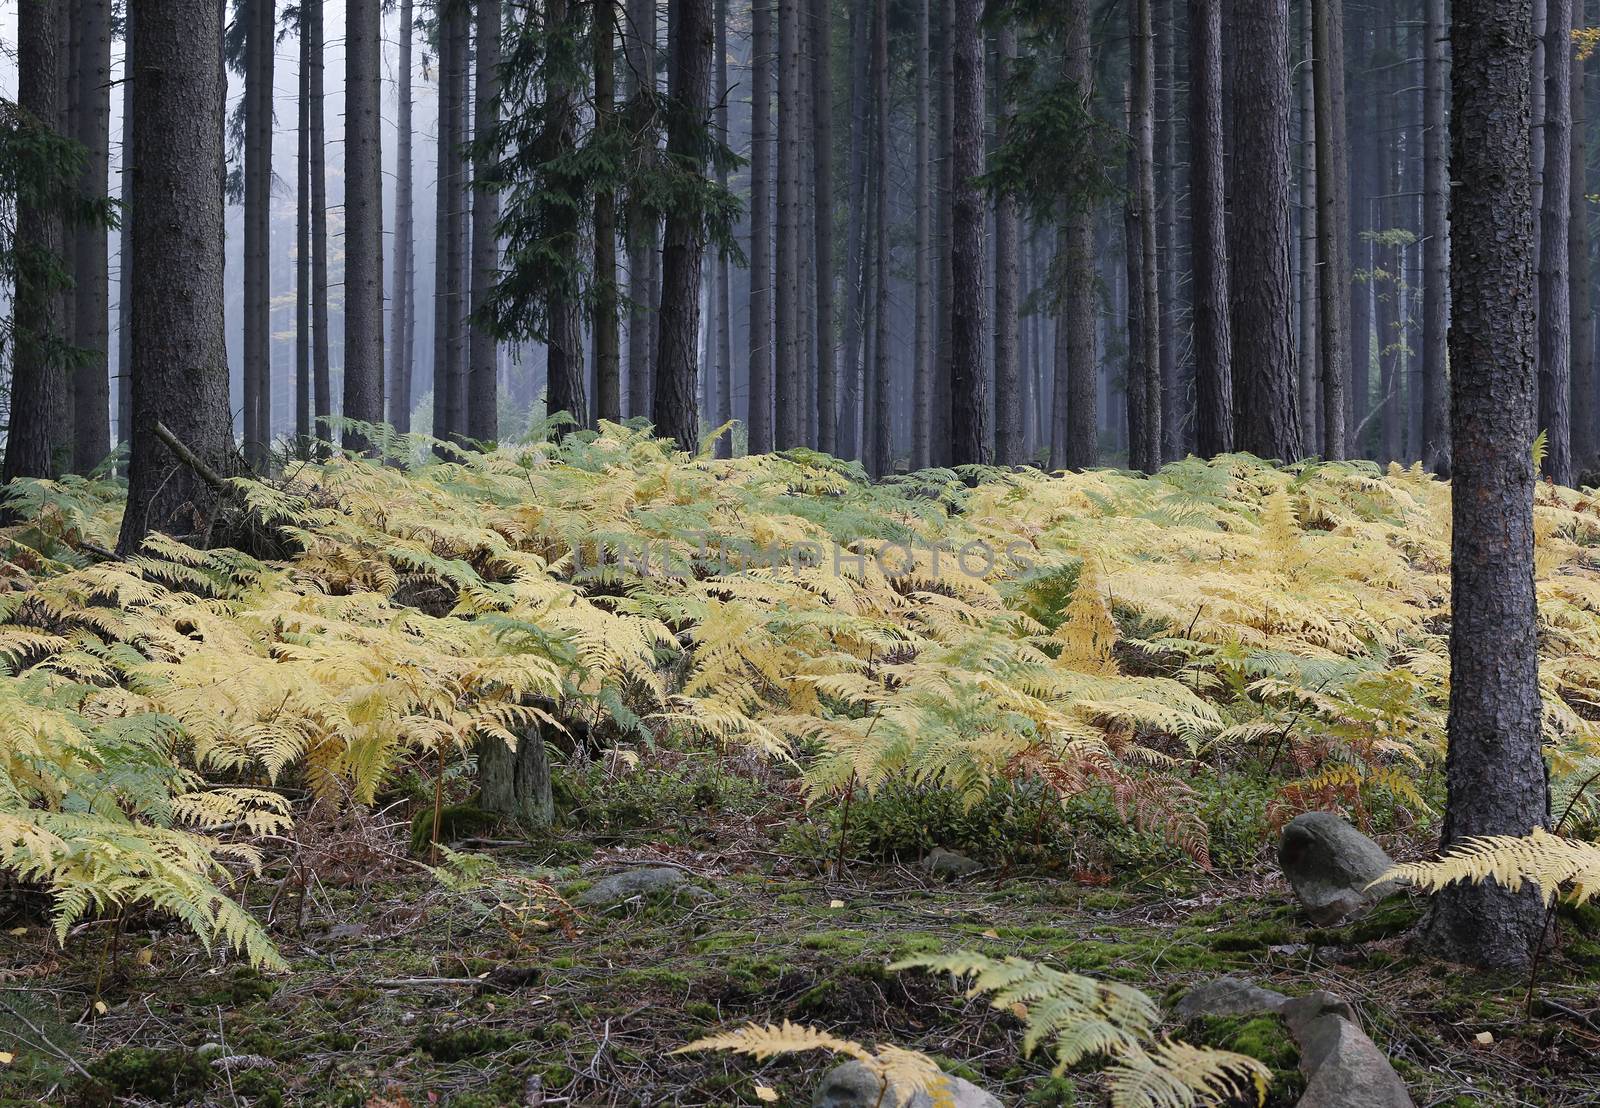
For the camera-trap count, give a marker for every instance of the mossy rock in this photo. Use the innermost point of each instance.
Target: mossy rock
(456, 822)
(1265, 1038)
(464, 1042)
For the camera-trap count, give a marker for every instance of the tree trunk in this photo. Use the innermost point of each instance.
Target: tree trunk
(827, 398)
(302, 252)
(403, 320)
(761, 354)
(922, 343)
(969, 335)
(1436, 244)
(363, 219)
(1578, 262)
(180, 361)
(92, 383)
(1363, 161)
(1555, 309)
(942, 447)
(790, 401)
(1142, 46)
(1333, 223)
(722, 314)
(1266, 420)
(258, 232)
(640, 48)
(565, 390)
(1387, 278)
(1208, 207)
(34, 447)
(1164, 216)
(125, 249)
(1312, 430)
(675, 414)
(1494, 769)
(321, 373)
(1008, 444)
(607, 333)
(882, 460)
(483, 349)
(516, 783)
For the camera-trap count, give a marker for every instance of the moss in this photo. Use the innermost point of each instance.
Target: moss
(163, 1075)
(1053, 1092)
(1264, 1038)
(456, 822)
(241, 987)
(463, 1042)
(1259, 938)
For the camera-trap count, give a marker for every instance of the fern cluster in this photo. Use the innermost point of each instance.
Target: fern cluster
(1097, 631)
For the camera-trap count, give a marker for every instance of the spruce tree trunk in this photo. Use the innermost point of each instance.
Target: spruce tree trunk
(1555, 309)
(258, 232)
(566, 388)
(1076, 430)
(723, 315)
(761, 353)
(515, 783)
(825, 357)
(1578, 262)
(402, 323)
(1362, 162)
(882, 461)
(1333, 224)
(922, 342)
(92, 383)
(34, 447)
(639, 44)
(607, 333)
(321, 373)
(302, 256)
(1208, 209)
(850, 401)
(180, 362)
(1310, 385)
(942, 434)
(1495, 771)
(1387, 287)
(483, 349)
(790, 400)
(1436, 243)
(1165, 218)
(1142, 46)
(450, 225)
(1266, 419)
(675, 415)
(363, 220)
(1008, 442)
(125, 249)
(969, 379)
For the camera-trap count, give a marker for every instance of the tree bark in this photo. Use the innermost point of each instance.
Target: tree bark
(258, 232)
(1555, 309)
(640, 50)
(1494, 769)
(1076, 433)
(607, 333)
(302, 253)
(882, 458)
(1213, 345)
(483, 348)
(1333, 223)
(1142, 46)
(566, 377)
(34, 445)
(761, 354)
(1266, 419)
(363, 222)
(516, 783)
(1388, 276)
(969, 379)
(827, 398)
(1008, 441)
(922, 342)
(722, 315)
(1578, 262)
(790, 399)
(180, 362)
(321, 373)
(1435, 243)
(92, 384)
(675, 415)
(125, 249)
(402, 323)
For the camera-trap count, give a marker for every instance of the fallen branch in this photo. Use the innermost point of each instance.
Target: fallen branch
(191, 459)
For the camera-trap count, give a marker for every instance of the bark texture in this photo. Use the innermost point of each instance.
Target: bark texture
(483, 348)
(969, 378)
(1213, 343)
(363, 220)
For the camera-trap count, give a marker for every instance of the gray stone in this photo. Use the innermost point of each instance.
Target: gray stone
(640, 884)
(853, 1085)
(948, 864)
(1227, 996)
(1343, 1067)
(1332, 866)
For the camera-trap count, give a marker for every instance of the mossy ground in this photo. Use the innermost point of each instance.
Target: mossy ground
(602, 998)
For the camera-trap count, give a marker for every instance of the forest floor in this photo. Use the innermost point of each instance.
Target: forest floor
(403, 991)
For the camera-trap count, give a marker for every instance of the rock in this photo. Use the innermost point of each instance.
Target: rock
(640, 884)
(853, 1085)
(950, 865)
(1331, 866)
(347, 932)
(207, 1051)
(1227, 996)
(1343, 1067)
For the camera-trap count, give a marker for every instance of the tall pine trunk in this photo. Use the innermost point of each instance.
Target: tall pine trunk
(1494, 769)
(761, 353)
(640, 50)
(1578, 263)
(827, 398)
(1310, 386)
(1435, 242)
(969, 379)
(1008, 439)
(855, 276)
(1142, 45)
(1213, 344)
(402, 323)
(321, 373)
(258, 232)
(787, 318)
(1266, 419)
(125, 249)
(878, 402)
(363, 222)
(483, 348)
(302, 256)
(607, 333)
(722, 414)
(449, 228)
(1555, 309)
(675, 415)
(922, 342)
(180, 360)
(92, 384)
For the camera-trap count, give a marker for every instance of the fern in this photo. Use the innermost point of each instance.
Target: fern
(1550, 862)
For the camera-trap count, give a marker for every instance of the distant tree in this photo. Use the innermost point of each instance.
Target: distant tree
(969, 333)
(302, 241)
(260, 17)
(922, 343)
(1266, 417)
(1076, 439)
(363, 222)
(91, 383)
(881, 434)
(607, 334)
(1333, 221)
(180, 361)
(321, 370)
(403, 319)
(125, 247)
(1213, 342)
(639, 41)
(761, 353)
(723, 310)
(676, 417)
(1494, 769)
(855, 266)
(827, 398)
(1008, 436)
(787, 321)
(1142, 203)
(450, 224)
(1436, 240)
(483, 347)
